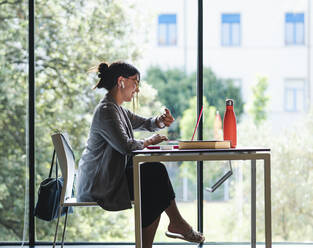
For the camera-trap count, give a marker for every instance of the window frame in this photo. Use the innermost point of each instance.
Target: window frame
(230, 21)
(167, 22)
(296, 92)
(292, 28)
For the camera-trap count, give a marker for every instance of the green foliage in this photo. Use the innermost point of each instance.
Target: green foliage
(189, 120)
(175, 88)
(13, 90)
(187, 126)
(291, 173)
(217, 90)
(147, 106)
(291, 181)
(173, 92)
(71, 36)
(260, 101)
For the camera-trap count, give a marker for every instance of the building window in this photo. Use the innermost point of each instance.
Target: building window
(294, 29)
(167, 30)
(231, 31)
(294, 95)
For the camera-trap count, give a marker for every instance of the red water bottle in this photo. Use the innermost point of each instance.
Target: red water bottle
(229, 123)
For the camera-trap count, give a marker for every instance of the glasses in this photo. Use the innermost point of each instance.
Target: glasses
(136, 81)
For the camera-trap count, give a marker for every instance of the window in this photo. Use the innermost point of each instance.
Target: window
(14, 167)
(294, 95)
(231, 31)
(294, 29)
(167, 26)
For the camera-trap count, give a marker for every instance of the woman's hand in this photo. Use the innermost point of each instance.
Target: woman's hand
(155, 139)
(166, 119)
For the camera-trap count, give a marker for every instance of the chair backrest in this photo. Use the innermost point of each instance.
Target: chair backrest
(66, 161)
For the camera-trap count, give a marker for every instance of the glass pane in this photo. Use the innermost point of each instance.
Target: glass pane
(290, 99)
(226, 210)
(295, 94)
(71, 37)
(235, 34)
(65, 100)
(172, 34)
(225, 34)
(300, 98)
(299, 33)
(289, 33)
(272, 117)
(163, 34)
(169, 81)
(13, 120)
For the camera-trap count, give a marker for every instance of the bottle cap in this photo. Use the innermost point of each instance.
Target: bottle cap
(229, 102)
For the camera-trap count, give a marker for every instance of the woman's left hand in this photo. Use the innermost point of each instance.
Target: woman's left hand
(166, 117)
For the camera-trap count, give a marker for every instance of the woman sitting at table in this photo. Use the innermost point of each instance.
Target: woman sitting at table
(105, 172)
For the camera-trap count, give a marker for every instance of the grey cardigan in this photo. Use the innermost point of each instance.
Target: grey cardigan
(101, 172)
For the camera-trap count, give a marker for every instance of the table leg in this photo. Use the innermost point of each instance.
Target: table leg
(137, 199)
(253, 203)
(267, 196)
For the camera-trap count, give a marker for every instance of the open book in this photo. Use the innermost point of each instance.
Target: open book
(204, 144)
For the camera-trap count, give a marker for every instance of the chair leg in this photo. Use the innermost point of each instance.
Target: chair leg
(56, 228)
(65, 222)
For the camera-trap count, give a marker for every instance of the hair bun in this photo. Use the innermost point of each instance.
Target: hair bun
(102, 69)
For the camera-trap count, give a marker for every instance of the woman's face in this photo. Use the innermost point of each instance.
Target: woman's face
(131, 86)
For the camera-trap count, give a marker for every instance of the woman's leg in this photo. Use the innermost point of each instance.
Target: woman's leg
(177, 222)
(179, 228)
(156, 195)
(148, 233)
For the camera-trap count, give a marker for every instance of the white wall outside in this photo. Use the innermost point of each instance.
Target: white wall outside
(262, 52)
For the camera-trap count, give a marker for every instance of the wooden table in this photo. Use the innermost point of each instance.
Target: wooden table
(240, 153)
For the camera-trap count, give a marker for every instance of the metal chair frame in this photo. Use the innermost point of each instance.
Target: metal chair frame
(66, 161)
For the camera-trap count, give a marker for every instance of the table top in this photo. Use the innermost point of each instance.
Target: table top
(229, 150)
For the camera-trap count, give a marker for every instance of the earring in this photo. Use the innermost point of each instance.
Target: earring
(122, 84)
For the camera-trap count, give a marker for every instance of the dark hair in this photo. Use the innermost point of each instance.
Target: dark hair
(109, 74)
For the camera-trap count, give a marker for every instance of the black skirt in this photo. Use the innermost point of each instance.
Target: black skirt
(156, 190)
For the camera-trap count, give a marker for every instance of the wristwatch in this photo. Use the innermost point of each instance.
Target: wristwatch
(161, 123)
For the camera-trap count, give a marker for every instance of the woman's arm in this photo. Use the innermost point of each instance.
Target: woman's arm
(141, 123)
(154, 139)
(108, 123)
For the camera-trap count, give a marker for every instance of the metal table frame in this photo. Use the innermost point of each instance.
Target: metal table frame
(252, 154)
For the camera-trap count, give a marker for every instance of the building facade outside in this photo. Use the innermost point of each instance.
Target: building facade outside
(242, 40)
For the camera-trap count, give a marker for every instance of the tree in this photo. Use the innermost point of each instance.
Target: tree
(71, 36)
(187, 126)
(260, 101)
(175, 88)
(148, 106)
(291, 173)
(12, 118)
(217, 90)
(189, 120)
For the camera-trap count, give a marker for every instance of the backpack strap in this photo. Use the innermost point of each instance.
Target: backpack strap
(51, 166)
